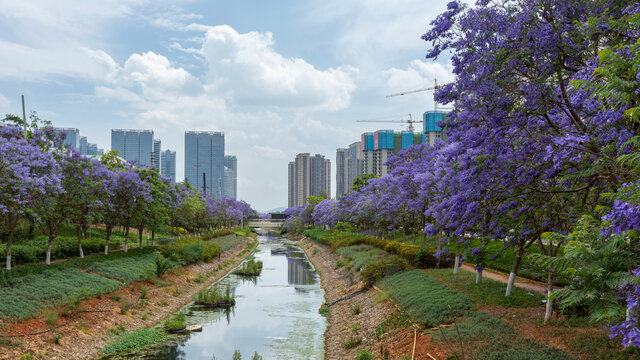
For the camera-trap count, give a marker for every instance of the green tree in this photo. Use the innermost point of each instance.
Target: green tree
(362, 180)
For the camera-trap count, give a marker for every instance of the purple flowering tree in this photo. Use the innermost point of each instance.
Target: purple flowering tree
(25, 174)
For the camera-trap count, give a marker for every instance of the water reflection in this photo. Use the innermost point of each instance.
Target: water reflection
(276, 314)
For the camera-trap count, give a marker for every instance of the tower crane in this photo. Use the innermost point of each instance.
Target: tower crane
(402, 121)
(435, 87)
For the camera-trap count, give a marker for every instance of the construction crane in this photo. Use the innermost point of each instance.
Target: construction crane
(435, 87)
(402, 121)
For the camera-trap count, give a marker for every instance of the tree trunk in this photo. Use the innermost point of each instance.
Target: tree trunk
(126, 238)
(456, 266)
(79, 231)
(479, 276)
(9, 240)
(106, 243)
(140, 231)
(438, 247)
(153, 238)
(632, 313)
(514, 271)
(49, 243)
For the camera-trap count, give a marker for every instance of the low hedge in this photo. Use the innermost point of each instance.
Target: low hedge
(30, 251)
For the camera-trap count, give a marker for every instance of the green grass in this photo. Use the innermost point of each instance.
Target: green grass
(360, 255)
(425, 299)
(33, 292)
(483, 336)
(599, 346)
(228, 241)
(490, 292)
(128, 269)
(134, 340)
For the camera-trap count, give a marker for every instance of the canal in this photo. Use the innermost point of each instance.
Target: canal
(275, 315)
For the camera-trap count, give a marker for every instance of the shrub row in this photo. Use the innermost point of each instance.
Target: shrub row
(30, 251)
(425, 299)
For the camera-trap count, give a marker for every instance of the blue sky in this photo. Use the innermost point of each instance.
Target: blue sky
(279, 78)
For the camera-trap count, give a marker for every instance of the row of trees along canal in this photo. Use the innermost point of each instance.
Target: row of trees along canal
(45, 184)
(542, 150)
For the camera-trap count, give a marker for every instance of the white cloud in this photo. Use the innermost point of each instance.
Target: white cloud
(419, 74)
(247, 69)
(157, 77)
(267, 152)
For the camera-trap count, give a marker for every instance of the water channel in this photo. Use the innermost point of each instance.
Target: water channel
(276, 313)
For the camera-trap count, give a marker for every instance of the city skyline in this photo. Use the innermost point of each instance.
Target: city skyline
(282, 78)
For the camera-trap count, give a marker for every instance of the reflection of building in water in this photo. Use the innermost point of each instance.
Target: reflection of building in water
(297, 272)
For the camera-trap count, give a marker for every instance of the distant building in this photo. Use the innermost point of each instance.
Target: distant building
(231, 176)
(377, 147)
(133, 145)
(72, 137)
(83, 145)
(341, 172)
(155, 157)
(204, 161)
(349, 165)
(432, 131)
(308, 176)
(168, 164)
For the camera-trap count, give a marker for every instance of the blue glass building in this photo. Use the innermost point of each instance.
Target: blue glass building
(204, 154)
(168, 164)
(133, 145)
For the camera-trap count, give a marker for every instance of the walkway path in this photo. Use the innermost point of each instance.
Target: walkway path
(526, 284)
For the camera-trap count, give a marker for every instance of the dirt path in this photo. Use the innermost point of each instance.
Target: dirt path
(526, 284)
(86, 334)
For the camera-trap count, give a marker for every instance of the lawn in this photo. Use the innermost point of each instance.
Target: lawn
(482, 336)
(28, 295)
(425, 299)
(490, 292)
(227, 242)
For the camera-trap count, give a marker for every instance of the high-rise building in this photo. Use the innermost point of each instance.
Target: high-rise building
(83, 145)
(133, 145)
(432, 131)
(155, 157)
(349, 165)
(379, 146)
(168, 164)
(72, 137)
(308, 176)
(231, 176)
(204, 161)
(355, 164)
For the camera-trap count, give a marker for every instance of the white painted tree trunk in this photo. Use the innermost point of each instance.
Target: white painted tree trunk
(106, 248)
(632, 313)
(549, 308)
(456, 266)
(8, 262)
(510, 284)
(48, 261)
(479, 277)
(81, 252)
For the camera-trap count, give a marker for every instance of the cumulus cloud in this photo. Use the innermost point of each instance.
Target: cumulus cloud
(247, 69)
(418, 74)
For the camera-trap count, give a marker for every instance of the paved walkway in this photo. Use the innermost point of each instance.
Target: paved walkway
(526, 284)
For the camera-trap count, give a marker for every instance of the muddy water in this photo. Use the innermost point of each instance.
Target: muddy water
(276, 313)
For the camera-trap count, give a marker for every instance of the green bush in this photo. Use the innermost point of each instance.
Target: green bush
(35, 250)
(364, 355)
(162, 265)
(425, 299)
(190, 250)
(177, 321)
(378, 269)
(227, 242)
(250, 268)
